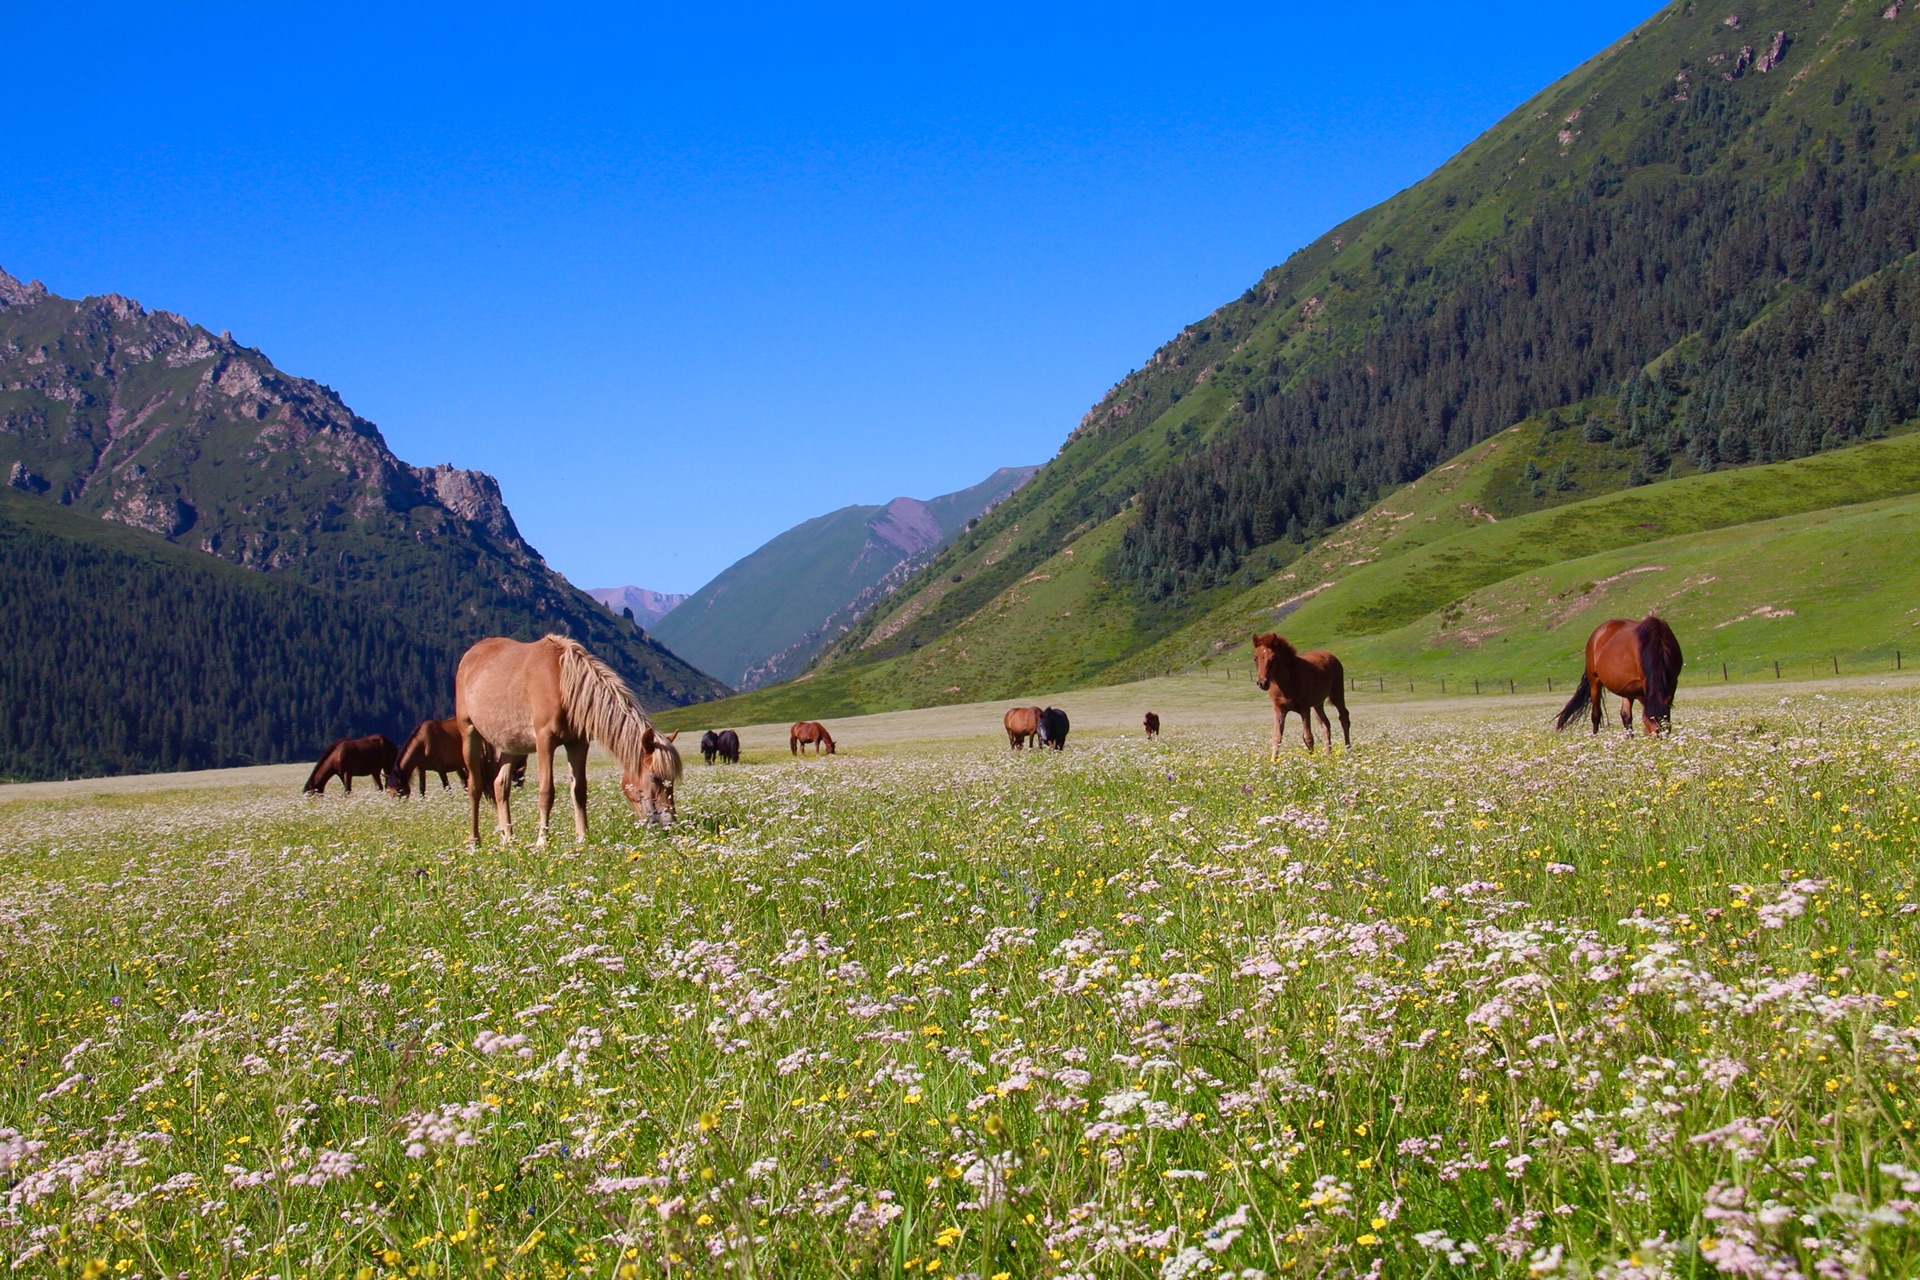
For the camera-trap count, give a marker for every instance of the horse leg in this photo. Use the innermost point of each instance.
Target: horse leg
(1325, 727)
(544, 750)
(1626, 713)
(1306, 725)
(1279, 731)
(577, 766)
(1595, 693)
(503, 799)
(475, 744)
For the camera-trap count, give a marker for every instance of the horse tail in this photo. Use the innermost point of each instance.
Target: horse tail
(1576, 704)
(1659, 666)
(599, 703)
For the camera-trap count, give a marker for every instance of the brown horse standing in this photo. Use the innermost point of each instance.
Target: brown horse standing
(518, 699)
(1300, 682)
(1152, 726)
(805, 731)
(350, 757)
(433, 747)
(1639, 661)
(1022, 725)
(436, 747)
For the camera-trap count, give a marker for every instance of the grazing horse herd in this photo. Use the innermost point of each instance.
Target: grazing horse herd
(513, 700)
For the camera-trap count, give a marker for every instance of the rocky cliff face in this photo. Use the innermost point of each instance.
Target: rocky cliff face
(148, 420)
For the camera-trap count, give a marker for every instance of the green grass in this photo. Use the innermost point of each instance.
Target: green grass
(1427, 555)
(957, 1011)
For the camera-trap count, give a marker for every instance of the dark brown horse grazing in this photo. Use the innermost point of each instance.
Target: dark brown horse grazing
(709, 746)
(515, 700)
(729, 746)
(351, 757)
(1022, 725)
(1152, 723)
(433, 747)
(436, 747)
(1639, 661)
(1053, 728)
(805, 731)
(1300, 682)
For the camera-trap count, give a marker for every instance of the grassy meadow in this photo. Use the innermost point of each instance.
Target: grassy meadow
(1470, 999)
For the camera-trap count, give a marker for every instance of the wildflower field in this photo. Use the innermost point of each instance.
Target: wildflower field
(1470, 999)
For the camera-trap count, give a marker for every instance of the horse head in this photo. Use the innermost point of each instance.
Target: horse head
(1268, 651)
(649, 789)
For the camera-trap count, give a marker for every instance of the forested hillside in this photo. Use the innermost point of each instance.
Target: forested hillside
(126, 655)
(1703, 238)
(144, 419)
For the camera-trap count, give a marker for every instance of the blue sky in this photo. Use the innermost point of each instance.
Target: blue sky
(684, 277)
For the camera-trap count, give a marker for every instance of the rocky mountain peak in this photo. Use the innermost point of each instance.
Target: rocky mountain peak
(15, 294)
(906, 526)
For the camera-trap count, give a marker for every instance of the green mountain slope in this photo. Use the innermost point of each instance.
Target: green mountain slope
(1831, 590)
(1703, 237)
(1445, 579)
(142, 419)
(768, 613)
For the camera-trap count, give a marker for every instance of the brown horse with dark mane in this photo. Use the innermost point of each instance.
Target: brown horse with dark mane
(1152, 725)
(436, 747)
(1638, 661)
(349, 758)
(1300, 682)
(1022, 725)
(809, 731)
(514, 700)
(433, 747)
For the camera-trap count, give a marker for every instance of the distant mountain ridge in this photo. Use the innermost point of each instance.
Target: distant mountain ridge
(146, 420)
(648, 606)
(767, 614)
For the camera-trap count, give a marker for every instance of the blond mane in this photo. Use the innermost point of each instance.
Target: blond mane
(599, 703)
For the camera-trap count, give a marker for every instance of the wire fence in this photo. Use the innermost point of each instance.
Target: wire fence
(1885, 660)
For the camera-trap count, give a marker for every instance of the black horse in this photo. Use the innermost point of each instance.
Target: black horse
(724, 746)
(1053, 728)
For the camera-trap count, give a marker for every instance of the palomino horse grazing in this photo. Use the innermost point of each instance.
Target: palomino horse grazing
(1152, 725)
(519, 699)
(351, 757)
(1636, 660)
(805, 731)
(1300, 682)
(1022, 725)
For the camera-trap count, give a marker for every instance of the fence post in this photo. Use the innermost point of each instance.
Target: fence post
(1509, 685)
(1443, 680)
(1724, 677)
(1476, 684)
(1383, 684)
(1896, 659)
(1776, 668)
(1549, 684)
(1836, 664)
(1409, 686)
